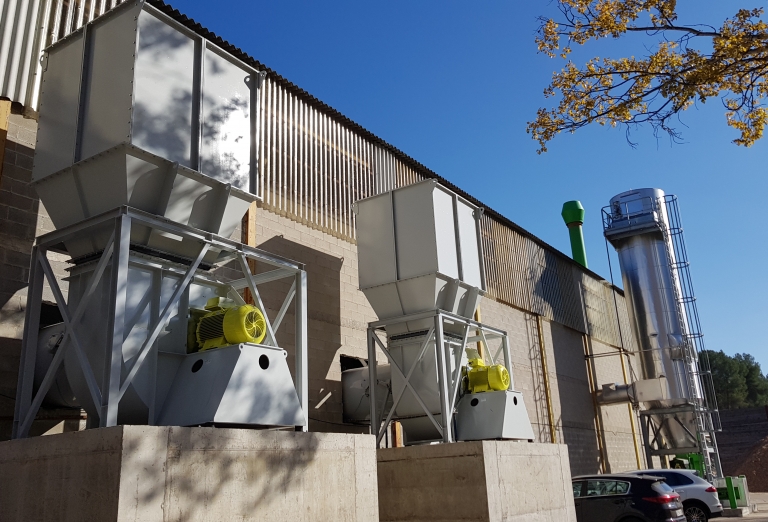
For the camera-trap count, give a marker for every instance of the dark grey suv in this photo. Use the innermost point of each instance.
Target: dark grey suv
(625, 498)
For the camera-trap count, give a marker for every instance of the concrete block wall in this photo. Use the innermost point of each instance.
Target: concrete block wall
(22, 218)
(338, 312)
(618, 418)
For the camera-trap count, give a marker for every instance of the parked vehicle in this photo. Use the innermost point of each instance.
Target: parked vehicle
(699, 497)
(625, 498)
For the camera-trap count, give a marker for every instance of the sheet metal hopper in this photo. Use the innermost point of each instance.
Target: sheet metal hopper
(135, 110)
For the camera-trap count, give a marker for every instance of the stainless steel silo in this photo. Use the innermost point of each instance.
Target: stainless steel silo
(637, 224)
(638, 221)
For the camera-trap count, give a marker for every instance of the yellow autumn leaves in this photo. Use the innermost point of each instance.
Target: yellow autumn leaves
(653, 89)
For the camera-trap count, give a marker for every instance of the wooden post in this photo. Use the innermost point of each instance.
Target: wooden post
(248, 237)
(480, 348)
(397, 434)
(5, 113)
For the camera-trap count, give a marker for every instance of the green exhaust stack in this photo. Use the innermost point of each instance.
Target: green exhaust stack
(573, 215)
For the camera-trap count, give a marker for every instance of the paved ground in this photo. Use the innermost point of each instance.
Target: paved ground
(760, 516)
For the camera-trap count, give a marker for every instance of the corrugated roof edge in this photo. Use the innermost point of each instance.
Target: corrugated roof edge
(330, 111)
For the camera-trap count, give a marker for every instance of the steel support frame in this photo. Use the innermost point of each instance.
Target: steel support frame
(107, 394)
(651, 432)
(449, 382)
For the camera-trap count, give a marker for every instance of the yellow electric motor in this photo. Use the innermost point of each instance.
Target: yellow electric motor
(484, 378)
(230, 325)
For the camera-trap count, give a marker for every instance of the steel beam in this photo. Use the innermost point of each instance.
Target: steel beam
(113, 362)
(372, 382)
(442, 380)
(24, 386)
(162, 321)
(302, 343)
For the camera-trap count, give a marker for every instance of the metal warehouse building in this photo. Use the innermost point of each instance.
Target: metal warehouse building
(569, 328)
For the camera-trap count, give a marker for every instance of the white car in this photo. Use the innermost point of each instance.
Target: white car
(699, 497)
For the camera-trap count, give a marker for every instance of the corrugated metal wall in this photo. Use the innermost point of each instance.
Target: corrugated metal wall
(313, 168)
(29, 26)
(314, 164)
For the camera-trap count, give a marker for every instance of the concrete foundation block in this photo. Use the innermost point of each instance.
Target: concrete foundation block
(167, 474)
(483, 481)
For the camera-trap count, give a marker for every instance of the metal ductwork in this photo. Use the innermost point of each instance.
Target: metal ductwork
(145, 161)
(420, 266)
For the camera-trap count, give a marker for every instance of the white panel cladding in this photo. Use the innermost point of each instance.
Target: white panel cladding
(57, 130)
(446, 240)
(376, 253)
(225, 151)
(415, 233)
(470, 249)
(108, 93)
(163, 91)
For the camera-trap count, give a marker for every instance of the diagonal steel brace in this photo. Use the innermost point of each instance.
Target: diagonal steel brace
(69, 333)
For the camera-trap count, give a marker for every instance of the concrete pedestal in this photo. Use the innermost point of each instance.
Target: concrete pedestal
(159, 474)
(486, 481)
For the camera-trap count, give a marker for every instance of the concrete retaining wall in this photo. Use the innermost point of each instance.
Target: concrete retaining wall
(484, 481)
(154, 474)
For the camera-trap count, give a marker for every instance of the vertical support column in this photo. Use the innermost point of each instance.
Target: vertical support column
(442, 380)
(113, 362)
(302, 368)
(372, 384)
(629, 410)
(644, 421)
(155, 311)
(592, 379)
(508, 360)
(29, 344)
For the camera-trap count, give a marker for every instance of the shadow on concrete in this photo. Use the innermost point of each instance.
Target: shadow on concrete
(324, 318)
(203, 470)
(578, 414)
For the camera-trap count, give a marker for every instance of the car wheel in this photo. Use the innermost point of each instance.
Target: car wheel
(695, 513)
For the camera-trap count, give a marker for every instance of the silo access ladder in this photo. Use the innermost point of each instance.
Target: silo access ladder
(705, 410)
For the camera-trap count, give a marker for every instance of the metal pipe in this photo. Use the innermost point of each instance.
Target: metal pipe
(615, 394)
(604, 466)
(631, 413)
(547, 389)
(573, 215)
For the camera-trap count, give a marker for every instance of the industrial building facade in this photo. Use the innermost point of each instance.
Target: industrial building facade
(568, 327)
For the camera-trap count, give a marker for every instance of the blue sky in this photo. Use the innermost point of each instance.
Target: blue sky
(453, 84)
